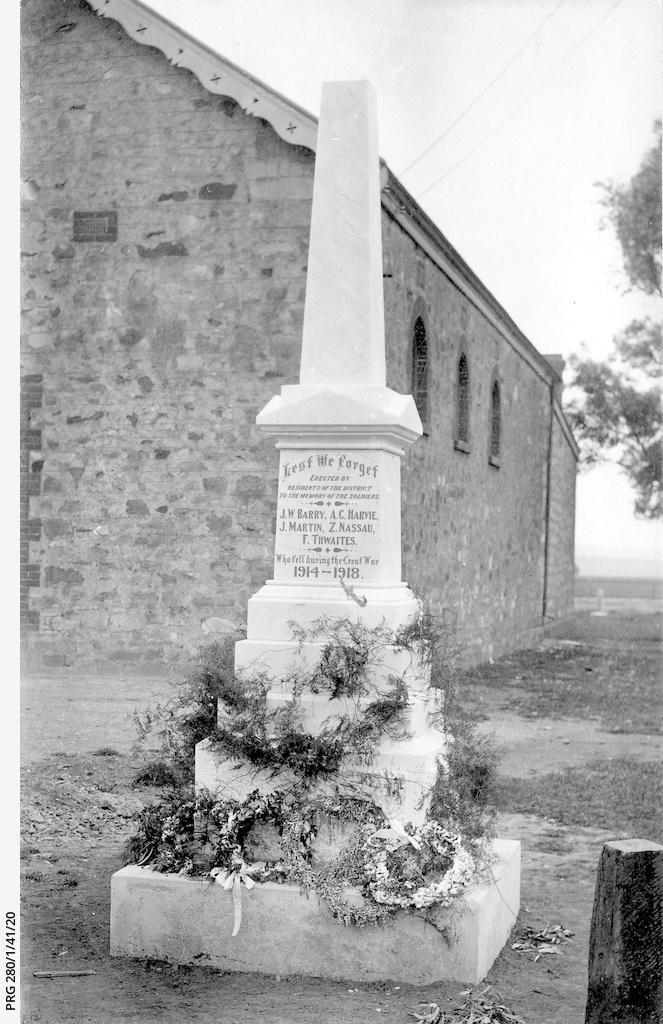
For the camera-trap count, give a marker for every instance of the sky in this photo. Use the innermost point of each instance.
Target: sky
(532, 102)
(523, 209)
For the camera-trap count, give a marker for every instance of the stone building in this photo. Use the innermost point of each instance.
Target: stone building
(167, 199)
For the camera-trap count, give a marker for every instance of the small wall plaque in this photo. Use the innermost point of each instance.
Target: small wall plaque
(98, 226)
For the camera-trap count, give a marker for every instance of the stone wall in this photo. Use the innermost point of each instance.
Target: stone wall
(474, 534)
(165, 243)
(158, 347)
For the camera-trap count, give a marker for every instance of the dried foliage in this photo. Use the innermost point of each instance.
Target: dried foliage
(466, 787)
(545, 941)
(485, 1007)
(194, 834)
(190, 714)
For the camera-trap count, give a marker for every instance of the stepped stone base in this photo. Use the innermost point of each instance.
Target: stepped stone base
(412, 761)
(189, 921)
(276, 605)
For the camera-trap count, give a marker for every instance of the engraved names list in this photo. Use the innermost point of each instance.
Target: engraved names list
(328, 518)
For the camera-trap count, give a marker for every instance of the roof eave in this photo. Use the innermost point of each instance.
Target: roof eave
(297, 126)
(215, 73)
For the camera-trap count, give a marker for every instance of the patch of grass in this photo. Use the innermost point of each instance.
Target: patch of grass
(157, 772)
(616, 625)
(34, 876)
(69, 881)
(617, 684)
(552, 844)
(621, 795)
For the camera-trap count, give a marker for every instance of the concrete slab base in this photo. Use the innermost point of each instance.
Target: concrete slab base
(189, 921)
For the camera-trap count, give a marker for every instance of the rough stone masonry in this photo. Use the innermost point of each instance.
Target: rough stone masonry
(164, 250)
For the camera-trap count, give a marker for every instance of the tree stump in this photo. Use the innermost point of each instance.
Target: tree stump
(626, 941)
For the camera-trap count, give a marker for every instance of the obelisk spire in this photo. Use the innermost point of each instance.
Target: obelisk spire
(343, 341)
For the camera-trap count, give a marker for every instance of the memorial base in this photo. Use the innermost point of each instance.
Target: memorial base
(190, 921)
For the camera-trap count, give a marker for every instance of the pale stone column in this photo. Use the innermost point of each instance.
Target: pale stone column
(341, 432)
(343, 340)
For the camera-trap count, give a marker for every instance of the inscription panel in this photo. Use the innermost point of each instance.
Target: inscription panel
(96, 226)
(328, 517)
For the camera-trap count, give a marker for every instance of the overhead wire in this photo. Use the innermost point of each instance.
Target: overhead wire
(486, 89)
(526, 100)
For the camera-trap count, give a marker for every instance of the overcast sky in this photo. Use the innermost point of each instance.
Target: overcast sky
(533, 102)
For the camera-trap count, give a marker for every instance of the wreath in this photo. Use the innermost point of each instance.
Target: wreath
(393, 866)
(406, 866)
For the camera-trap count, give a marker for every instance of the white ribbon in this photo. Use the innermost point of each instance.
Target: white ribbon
(395, 831)
(232, 880)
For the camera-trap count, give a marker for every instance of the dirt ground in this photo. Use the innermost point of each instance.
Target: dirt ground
(77, 805)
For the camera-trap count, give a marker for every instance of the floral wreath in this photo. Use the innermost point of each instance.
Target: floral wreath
(409, 866)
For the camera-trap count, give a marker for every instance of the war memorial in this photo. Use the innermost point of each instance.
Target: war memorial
(340, 433)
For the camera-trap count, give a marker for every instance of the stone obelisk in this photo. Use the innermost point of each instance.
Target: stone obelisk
(341, 434)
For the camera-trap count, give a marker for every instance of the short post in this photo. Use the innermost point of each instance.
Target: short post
(626, 940)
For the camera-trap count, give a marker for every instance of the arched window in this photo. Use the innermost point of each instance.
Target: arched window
(420, 370)
(463, 404)
(495, 423)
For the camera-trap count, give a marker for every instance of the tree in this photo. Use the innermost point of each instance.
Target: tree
(616, 405)
(634, 210)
